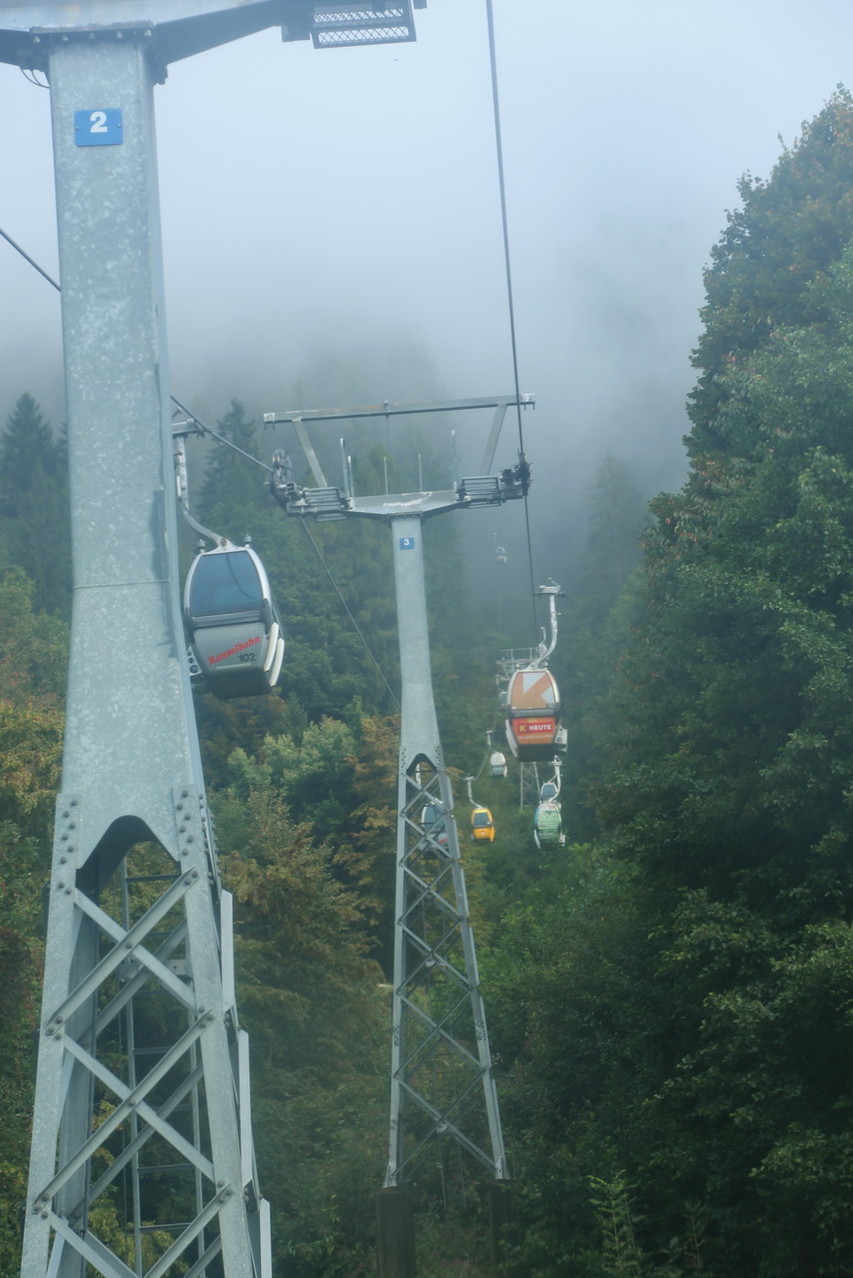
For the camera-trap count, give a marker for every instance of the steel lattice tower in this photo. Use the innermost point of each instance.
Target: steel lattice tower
(142, 1078)
(442, 1084)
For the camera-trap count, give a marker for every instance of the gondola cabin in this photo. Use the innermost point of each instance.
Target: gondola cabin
(482, 825)
(533, 715)
(548, 825)
(497, 764)
(232, 622)
(434, 822)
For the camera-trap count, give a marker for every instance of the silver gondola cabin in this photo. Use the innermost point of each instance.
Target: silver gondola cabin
(548, 825)
(232, 621)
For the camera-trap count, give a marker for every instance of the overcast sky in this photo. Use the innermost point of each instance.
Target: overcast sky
(344, 203)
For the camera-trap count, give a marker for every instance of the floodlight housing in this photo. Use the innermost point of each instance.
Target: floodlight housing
(380, 22)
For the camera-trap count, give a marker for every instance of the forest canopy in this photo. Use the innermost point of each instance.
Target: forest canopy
(670, 994)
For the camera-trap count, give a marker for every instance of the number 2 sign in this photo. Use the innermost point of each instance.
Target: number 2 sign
(100, 127)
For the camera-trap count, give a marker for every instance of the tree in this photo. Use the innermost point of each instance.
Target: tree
(341, 779)
(316, 1008)
(686, 1009)
(34, 512)
(729, 788)
(33, 645)
(27, 449)
(596, 629)
(788, 231)
(32, 649)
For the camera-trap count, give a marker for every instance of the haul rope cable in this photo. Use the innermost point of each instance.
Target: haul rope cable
(510, 306)
(203, 428)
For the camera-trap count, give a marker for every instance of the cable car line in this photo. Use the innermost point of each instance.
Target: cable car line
(508, 270)
(204, 429)
(31, 261)
(502, 189)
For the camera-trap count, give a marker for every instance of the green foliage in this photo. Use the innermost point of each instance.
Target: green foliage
(34, 513)
(787, 233)
(596, 629)
(670, 1005)
(450, 1244)
(316, 1009)
(621, 1256)
(729, 787)
(33, 646)
(340, 781)
(571, 1038)
(31, 660)
(677, 1004)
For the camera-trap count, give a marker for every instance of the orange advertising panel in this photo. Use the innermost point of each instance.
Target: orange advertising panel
(534, 730)
(532, 690)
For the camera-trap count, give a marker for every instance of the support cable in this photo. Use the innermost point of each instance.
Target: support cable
(508, 270)
(27, 258)
(203, 428)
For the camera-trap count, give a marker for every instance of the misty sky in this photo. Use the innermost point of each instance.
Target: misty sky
(344, 203)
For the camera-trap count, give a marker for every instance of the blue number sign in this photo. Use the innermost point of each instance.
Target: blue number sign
(98, 128)
(407, 543)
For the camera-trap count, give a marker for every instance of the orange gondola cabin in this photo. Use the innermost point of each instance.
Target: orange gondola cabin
(533, 715)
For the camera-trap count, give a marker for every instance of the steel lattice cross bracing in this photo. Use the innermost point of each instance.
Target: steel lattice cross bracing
(142, 1071)
(442, 1067)
(443, 1093)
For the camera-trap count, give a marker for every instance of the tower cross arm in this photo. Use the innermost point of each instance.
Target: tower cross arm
(182, 28)
(387, 409)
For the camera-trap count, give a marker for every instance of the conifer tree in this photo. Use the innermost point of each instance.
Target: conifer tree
(34, 515)
(596, 628)
(730, 790)
(715, 1079)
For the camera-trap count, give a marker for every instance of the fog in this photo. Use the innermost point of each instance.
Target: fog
(341, 208)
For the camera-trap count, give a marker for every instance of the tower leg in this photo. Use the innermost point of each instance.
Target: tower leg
(395, 1234)
(442, 1086)
(504, 1228)
(141, 1157)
